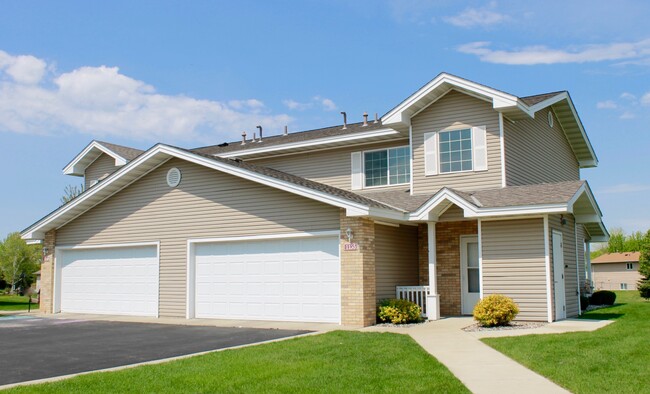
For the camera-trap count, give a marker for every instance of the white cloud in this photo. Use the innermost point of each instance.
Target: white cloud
(325, 103)
(22, 69)
(607, 104)
(626, 188)
(627, 115)
(481, 17)
(532, 55)
(628, 96)
(102, 102)
(295, 105)
(645, 99)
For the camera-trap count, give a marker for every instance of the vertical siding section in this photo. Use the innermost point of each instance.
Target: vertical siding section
(570, 261)
(396, 258)
(455, 110)
(332, 167)
(537, 153)
(514, 264)
(103, 166)
(206, 204)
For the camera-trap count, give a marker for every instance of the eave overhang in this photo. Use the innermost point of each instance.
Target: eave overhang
(78, 165)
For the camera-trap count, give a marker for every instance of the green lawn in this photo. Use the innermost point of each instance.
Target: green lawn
(614, 359)
(15, 303)
(340, 361)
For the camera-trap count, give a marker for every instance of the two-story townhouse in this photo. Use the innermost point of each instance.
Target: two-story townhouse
(458, 192)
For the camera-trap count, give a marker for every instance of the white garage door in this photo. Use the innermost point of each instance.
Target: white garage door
(293, 279)
(119, 281)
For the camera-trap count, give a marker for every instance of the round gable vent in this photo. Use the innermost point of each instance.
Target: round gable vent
(174, 177)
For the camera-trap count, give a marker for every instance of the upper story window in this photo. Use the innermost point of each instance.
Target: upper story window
(456, 150)
(387, 167)
(630, 266)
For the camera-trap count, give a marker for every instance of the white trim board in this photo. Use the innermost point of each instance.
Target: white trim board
(70, 168)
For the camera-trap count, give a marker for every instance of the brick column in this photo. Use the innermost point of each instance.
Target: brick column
(358, 286)
(47, 273)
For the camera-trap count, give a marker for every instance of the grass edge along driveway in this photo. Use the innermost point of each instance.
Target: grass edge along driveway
(613, 359)
(339, 361)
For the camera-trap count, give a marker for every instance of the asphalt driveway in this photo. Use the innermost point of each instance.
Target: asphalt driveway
(37, 348)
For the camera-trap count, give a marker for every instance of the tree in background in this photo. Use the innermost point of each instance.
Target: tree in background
(18, 261)
(644, 267)
(71, 192)
(619, 242)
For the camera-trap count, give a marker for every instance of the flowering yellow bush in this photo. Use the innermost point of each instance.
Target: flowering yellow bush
(495, 310)
(398, 311)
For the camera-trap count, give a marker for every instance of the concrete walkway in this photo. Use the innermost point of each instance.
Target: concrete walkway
(481, 368)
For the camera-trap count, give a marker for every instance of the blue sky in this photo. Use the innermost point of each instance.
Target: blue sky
(198, 73)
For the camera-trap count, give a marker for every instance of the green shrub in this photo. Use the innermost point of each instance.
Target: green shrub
(644, 289)
(495, 310)
(584, 302)
(398, 311)
(603, 297)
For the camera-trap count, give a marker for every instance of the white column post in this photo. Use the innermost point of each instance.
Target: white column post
(433, 301)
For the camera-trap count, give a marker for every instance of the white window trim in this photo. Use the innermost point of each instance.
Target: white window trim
(363, 167)
(440, 153)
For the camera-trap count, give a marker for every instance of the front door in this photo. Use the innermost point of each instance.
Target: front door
(558, 276)
(469, 273)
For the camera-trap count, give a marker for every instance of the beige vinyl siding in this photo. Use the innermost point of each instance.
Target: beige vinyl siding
(207, 203)
(537, 153)
(570, 273)
(453, 111)
(609, 276)
(396, 258)
(453, 214)
(332, 167)
(103, 166)
(513, 264)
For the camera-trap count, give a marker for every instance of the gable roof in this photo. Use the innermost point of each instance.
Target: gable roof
(354, 204)
(121, 154)
(624, 257)
(511, 106)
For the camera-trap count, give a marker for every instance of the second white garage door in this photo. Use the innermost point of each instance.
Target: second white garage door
(290, 279)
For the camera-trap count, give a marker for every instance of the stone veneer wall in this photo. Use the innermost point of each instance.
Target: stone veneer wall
(358, 283)
(47, 273)
(447, 260)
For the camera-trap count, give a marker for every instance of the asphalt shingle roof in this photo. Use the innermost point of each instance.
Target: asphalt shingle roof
(297, 136)
(124, 151)
(512, 196)
(625, 257)
(538, 98)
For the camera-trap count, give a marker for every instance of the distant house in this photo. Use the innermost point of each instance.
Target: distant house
(616, 271)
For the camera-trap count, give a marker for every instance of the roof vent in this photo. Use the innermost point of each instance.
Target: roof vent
(173, 177)
(243, 138)
(376, 118)
(365, 119)
(345, 120)
(260, 128)
(286, 131)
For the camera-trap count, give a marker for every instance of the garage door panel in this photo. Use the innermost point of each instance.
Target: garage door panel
(110, 281)
(279, 279)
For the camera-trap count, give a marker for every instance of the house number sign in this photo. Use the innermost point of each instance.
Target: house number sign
(350, 246)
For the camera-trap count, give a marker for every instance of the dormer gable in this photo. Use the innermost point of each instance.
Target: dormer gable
(121, 155)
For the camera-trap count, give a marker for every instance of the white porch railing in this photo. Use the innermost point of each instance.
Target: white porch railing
(415, 294)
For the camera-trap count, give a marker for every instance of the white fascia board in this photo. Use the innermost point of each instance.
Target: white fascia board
(33, 241)
(548, 102)
(423, 212)
(70, 168)
(585, 189)
(312, 143)
(499, 99)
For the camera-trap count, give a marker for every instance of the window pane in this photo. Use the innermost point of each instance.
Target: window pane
(472, 254)
(455, 150)
(399, 165)
(376, 168)
(473, 280)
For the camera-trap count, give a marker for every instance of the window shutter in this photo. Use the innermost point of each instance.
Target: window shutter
(480, 148)
(357, 174)
(430, 153)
